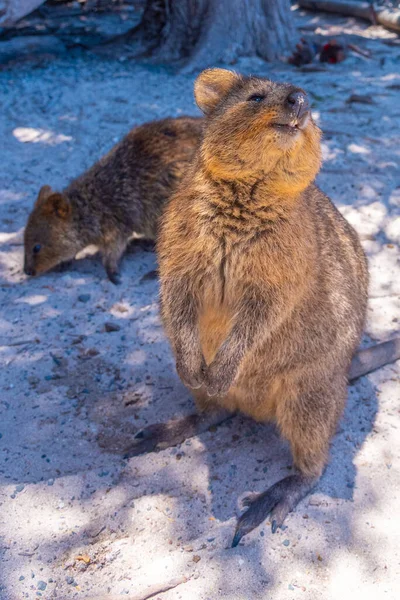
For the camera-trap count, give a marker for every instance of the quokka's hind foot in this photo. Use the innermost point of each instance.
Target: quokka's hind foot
(309, 440)
(165, 435)
(278, 501)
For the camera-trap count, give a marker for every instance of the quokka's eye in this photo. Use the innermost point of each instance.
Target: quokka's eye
(256, 98)
(37, 248)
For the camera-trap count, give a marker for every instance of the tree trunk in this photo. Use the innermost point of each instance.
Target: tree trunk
(12, 11)
(202, 33)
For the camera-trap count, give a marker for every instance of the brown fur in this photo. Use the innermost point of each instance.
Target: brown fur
(263, 282)
(121, 195)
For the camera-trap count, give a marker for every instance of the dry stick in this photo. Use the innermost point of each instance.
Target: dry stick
(388, 18)
(20, 343)
(151, 591)
(358, 50)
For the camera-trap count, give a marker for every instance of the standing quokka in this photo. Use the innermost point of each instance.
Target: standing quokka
(117, 199)
(263, 282)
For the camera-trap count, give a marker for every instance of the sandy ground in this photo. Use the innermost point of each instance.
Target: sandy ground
(79, 521)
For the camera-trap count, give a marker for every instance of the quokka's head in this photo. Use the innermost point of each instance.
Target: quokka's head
(256, 127)
(49, 237)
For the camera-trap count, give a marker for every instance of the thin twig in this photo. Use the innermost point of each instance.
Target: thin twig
(151, 591)
(358, 50)
(27, 553)
(383, 295)
(19, 343)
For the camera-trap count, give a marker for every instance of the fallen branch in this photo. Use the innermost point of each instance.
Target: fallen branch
(351, 8)
(387, 17)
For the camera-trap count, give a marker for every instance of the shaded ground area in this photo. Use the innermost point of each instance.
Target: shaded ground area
(78, 521)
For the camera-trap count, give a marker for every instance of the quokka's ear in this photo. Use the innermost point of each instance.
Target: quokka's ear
(43, 194)
(211, 86)
(57, 204)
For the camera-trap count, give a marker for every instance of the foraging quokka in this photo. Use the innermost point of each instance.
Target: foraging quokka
(118, 198)
(263, 282)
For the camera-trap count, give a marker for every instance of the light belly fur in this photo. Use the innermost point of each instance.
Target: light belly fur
(214, 327)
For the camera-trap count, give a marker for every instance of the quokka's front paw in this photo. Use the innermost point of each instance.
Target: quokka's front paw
(114, 277)
(191, 371)
(219, 379)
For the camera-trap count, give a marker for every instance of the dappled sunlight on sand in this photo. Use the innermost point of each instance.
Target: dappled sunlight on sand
(358, 149)
(33, 300)
(11, 196)
(40, 136)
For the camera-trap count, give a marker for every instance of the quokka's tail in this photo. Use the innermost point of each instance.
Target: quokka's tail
(375, 357)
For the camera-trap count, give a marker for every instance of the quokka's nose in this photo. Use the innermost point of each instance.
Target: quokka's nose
(298, 102)
(29, 271)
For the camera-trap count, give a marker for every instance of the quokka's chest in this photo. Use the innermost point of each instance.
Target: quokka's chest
(219, 297)
(220, 272)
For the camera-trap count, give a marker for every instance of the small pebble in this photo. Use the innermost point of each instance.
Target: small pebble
(84, 297)
(20, 487)
(196, 558)
(286, 542)
(110, 327)
(92, 352)
(56, 360)
(50, 482)
(290, 586)
(42, 585)
(70, 580)
(21, 578)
